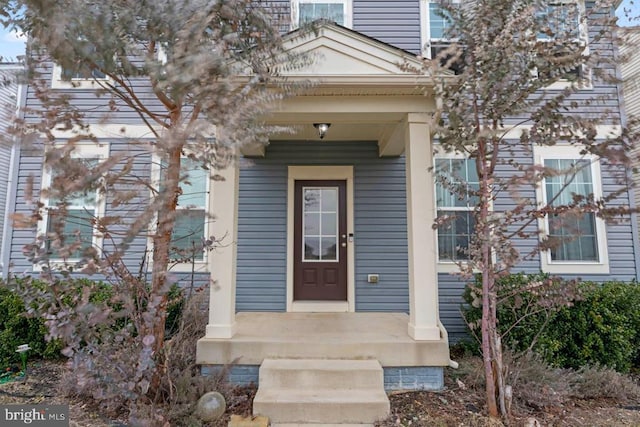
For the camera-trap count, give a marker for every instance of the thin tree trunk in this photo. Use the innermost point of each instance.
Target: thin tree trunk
(488, 299)
(161, 249)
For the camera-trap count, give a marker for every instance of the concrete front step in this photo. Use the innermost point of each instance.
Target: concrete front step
(321, 373)
(321, 391)
(321, 405)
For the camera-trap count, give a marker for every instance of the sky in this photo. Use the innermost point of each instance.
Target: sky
(12, 44)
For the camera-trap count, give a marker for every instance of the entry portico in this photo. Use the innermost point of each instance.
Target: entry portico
(365, 96)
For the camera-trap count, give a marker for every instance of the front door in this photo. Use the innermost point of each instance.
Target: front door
(320, 241)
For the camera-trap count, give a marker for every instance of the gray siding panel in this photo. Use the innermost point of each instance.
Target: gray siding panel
(380, 224)
(393, 22)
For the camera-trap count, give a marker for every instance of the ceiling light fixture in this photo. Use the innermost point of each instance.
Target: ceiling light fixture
(322, 129)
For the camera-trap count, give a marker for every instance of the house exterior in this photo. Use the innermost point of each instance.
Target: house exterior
(331, 248)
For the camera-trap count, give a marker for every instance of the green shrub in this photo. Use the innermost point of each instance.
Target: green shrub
(17, 329)
(602, 327)
(518, 312)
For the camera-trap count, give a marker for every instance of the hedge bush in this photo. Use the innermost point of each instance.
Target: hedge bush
(16, 328)
(602, 327)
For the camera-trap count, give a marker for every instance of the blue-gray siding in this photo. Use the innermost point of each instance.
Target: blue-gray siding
(380, 224)
(380, 230)
(402, 378)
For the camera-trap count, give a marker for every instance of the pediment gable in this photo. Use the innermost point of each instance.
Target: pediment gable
(338, 51)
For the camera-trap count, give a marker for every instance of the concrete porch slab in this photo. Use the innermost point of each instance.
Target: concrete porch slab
(379, 336)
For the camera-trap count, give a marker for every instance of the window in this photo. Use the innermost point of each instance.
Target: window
(76, 221)
(305, 11)
(191, 213)
(79, 75)
(456, 184)
(191, 220)
(578, 242)
(560, 21)
(436, 27)
(439, 22)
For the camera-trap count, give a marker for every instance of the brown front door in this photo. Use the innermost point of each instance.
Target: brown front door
(320, 236)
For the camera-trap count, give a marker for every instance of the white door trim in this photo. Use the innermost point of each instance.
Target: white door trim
(320, 173)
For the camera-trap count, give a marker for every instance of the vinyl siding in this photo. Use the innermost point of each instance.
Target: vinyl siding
(8, 105)
(380, 224)
(394, 22)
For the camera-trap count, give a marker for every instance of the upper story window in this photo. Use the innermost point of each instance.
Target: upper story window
(435, 29)
(561, 22)
(456, 185)
(69, 222)
(305, 11)
(577, 241)
(78, 74)
(560, 19)
(438, 23)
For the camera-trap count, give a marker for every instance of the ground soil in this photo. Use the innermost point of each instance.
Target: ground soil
(457, 405)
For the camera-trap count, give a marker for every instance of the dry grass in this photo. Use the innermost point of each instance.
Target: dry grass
(538, 387)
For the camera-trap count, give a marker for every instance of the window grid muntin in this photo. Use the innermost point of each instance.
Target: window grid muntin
(321, 236)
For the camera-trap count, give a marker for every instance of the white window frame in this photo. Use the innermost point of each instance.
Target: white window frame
(57, 82)
(295, 11)
(572, 267)
(86, 150)
(582, 40)
(425, 28)
(182, 267)
(446, 266)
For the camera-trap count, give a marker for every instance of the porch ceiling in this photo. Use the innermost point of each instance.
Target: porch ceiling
(379, 118)
(365, 88)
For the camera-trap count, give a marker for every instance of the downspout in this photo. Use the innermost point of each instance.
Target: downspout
(12, 188)
(629, 177)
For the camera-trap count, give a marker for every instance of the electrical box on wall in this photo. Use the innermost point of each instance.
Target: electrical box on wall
(373, 278)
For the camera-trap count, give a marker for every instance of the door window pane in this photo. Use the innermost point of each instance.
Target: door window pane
(320, 223)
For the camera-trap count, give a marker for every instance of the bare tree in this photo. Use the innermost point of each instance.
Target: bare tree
(519, 87)
(199, 74)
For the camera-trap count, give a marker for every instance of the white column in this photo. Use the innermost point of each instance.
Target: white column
(222, 260)
(421, 210)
